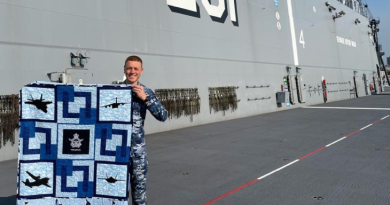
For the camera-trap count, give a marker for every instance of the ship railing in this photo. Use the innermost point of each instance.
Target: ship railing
(359, 6)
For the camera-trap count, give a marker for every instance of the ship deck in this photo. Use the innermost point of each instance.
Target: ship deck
(334, 153)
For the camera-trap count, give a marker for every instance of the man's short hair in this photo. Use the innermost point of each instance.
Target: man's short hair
(133, 58)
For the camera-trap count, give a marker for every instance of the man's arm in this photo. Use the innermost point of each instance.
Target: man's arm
(155, 107)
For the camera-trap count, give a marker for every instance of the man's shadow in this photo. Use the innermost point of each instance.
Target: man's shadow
(8, 200)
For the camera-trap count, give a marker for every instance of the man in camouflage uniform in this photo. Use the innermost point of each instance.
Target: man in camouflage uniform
(143, 98)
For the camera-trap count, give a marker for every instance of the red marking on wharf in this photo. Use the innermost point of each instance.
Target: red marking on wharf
(311, 153)
(231, 192)
(350, 134)
(291, 163)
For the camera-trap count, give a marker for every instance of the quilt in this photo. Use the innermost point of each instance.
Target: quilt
(74, 145)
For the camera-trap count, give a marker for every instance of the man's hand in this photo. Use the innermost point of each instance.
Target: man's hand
(139, 90)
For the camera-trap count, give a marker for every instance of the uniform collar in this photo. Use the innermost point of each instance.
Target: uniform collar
(138, 83)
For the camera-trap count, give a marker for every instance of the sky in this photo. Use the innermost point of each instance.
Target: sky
(381, 9)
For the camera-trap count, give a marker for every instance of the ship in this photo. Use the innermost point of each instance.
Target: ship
(230, 58)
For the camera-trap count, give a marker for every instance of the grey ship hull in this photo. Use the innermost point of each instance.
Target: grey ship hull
(184, 48)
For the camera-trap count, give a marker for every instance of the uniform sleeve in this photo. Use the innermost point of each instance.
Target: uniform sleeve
(156, 108)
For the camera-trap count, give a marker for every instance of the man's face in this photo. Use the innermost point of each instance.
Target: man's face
(133, 71)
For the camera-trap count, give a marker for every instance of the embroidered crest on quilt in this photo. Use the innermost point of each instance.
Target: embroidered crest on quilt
(76, 141)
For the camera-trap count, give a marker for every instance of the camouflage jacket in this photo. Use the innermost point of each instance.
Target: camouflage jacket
(138, 110)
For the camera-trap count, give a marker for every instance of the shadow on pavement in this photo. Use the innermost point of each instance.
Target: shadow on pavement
(9, 200)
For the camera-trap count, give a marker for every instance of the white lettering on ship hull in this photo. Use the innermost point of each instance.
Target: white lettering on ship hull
(183, 4)
(217, 12)
(346, 41)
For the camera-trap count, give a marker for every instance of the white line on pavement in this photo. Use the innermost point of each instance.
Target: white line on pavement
(366, 127)
(385, 117)
(276, 170)
(335, 142)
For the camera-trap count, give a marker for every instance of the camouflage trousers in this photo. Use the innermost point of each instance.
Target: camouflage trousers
(138, 171)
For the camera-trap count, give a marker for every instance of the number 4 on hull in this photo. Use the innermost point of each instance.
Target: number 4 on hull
(302, 39)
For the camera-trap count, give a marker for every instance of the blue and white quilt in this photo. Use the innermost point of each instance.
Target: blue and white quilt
(74, 145)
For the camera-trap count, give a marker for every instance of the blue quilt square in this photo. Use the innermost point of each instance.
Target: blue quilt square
(75, 178)
(38, 102)
(113, 142)
(38, 140)
(36, 179)
(76, 104)
(111, 180)
(114, 104)
(73, 146)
